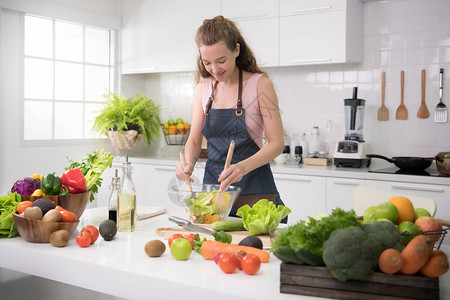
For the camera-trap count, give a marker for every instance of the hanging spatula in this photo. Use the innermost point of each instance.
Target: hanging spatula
(383, 112)
(402, 112)
(423, 112)
(440, 113)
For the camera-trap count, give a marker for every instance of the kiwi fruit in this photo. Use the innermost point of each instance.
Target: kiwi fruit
(59, 238)
(44, 204)
(108, 230)
(34, 213)
(155, 248)
(52, 216)
(252, 241)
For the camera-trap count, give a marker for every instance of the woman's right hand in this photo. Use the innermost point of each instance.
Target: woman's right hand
(184, 173)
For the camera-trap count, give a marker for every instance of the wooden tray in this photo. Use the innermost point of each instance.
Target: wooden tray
(237, 235)
(318, 282)
(317, 161)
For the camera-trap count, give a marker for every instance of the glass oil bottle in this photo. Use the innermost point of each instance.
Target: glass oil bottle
(126, 204)
(115, 185)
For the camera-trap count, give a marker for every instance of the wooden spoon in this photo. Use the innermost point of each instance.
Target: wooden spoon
(402, 112)
(220, 195)
(423, 112)
(188, 181)
(383, 112)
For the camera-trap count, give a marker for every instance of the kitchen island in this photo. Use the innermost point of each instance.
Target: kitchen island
(122, 269)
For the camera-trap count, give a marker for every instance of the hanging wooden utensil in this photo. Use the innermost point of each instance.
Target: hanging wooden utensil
(423, 111)
(383, 112)
(402, 112)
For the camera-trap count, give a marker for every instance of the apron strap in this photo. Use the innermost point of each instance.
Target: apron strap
(211, 98)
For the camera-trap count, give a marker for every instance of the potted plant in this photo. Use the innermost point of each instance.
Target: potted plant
(126, 120)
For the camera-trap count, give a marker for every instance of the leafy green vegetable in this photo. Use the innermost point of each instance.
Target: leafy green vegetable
(223, 237)
(8, 204)
(263, 217)
(203, 204)
(198, 244)
(93, 167)
(312, 233)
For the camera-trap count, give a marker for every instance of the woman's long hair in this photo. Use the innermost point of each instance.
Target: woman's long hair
(221, 29)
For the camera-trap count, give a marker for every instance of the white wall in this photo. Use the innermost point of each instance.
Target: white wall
(399, 35)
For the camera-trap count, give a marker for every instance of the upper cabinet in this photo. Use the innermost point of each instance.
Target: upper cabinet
(158, 35)
(320, 32)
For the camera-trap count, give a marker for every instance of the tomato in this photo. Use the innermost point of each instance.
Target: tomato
(228, 263)
(216, 258)
(59, 208)
(93, 232)
(174, 237)
(191, 238)
(23, 205)
(251, 264)
(181, 249)
(68, 216)
(83, 239)
(239, 256)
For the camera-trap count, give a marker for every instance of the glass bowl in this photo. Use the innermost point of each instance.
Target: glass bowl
(205, 204)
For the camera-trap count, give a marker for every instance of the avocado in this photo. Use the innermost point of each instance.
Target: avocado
(252, 241)
(108, 230)
(44, 204)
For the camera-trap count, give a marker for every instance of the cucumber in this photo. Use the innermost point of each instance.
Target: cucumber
(236, 225)
(308, 257)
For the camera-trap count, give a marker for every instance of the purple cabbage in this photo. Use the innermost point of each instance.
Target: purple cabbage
(26, 186)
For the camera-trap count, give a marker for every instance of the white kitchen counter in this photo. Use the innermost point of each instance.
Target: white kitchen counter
(121, 267)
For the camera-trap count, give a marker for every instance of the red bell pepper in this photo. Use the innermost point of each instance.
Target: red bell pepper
(74, 180)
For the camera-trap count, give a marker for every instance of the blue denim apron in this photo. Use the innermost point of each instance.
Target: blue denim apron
(220, 128)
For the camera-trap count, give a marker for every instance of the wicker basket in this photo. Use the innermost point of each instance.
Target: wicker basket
(125, 140)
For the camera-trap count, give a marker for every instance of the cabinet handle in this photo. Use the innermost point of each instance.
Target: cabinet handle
(411, 188)
(346, 183)
(292, 178)
(310, 10)
(249, 17)
(165, 168)
(303, 61)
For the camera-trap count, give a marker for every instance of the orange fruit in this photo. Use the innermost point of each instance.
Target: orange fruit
(405, 209)
(173, 129)
(186, 126)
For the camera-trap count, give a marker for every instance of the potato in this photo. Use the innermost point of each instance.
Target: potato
(52, 216)
(59, 238)
(34, 213)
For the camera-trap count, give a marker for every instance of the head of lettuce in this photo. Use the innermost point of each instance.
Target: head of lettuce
(263, 217)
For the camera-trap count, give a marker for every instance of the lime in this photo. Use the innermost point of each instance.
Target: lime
(409, 230)
(369, 214)
(171, 122)
(388, 211)
(180, 121)
(420, 212)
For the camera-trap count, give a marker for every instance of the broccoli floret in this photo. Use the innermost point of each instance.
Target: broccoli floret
(385, 233)
(350, 253)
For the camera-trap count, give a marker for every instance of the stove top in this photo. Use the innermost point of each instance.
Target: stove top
(394, 170)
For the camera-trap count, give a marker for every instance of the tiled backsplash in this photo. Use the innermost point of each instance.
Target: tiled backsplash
(407, 35)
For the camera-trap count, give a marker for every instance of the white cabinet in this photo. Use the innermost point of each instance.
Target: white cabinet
(320, 32)
(304, 195)
(340, 192)
(159, 35)
(439, 193)
(259, 25)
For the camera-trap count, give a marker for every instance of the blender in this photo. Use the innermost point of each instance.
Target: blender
(351, 152)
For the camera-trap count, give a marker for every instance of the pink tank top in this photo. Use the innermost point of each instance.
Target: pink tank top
(253, 118)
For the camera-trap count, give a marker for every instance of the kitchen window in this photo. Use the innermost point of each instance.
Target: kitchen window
(68, 67)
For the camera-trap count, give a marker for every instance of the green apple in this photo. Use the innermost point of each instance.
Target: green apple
(369, 214)
(181, 249)
(408, 230)
(180, 121)
(386, 210)
(420, 212)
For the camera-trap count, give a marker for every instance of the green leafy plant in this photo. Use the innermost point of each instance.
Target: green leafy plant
(120, 114)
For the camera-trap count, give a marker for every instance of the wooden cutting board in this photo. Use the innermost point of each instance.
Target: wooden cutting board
(236, 235)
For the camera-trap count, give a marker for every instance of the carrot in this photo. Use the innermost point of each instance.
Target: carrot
(211, 248)
(390, 261)
(436, 266)
(416, 254)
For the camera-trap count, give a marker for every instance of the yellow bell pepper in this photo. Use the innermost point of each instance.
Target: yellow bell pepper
(38, 192)
(37, 176)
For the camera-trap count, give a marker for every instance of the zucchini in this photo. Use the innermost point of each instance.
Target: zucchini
(235, 225)
(308, 257)
(287, 255)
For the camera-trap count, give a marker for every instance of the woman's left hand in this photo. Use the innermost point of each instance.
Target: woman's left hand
(233, 174)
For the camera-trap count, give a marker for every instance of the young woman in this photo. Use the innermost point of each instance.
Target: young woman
(234, 100)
